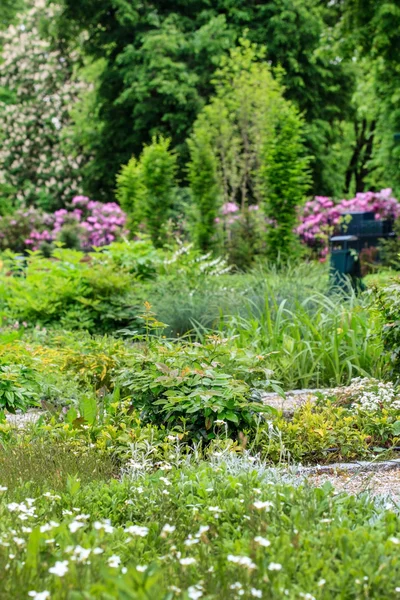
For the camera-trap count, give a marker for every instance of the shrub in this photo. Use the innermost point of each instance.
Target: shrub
(201, 388)
(252, 139)
(146, 188)
(388, 305)
(17, 388)
(243, 234)
(86, 225)
(204, 185)
(329, 433)
(25, 224)
(77, 292)
(284, 181)
(321, 216)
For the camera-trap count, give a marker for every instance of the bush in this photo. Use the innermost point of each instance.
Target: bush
(25, 224)
(199, 388)
(146, 188)
(36, 162)
(329, 433)
(77, 292)
(321, 216)
(388, 306)
(251, 147)
(284, 181)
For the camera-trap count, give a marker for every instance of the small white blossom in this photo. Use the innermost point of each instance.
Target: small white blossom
(187, 561)
(60, 568)
(137, 530)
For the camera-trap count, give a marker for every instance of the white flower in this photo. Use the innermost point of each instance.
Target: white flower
(165, 480)
(394, 540)
(191, 540)
(19, 541)
(195, 592)
(236, 586)
(60, 568)
(114, 561)
(167, 529)
(202, 529)
(75, 525)
(262, 541)
(263, 505)
(81, 554)
(243, 561)
(105, 525)
(39, 595)
(256, 593)
(137, 530)
(187, 561)
(141, 568)
(3, 488)
(321, 582)
(98, 550)
(274, 567)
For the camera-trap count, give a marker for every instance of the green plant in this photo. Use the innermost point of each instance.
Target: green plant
(17, 388)
(284, 181)
(204, 184)
(215, 530)
(130, 190)
(145, 188)
(202, 388)
(388, 305)
(328, 433)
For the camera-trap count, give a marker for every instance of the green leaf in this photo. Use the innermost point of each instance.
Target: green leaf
(88, 409)
(231, 416)
(396, 428)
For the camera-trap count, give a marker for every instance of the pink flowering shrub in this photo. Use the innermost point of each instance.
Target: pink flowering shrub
(321, 217)
(16, 228)
(98, 224)
(92, 224)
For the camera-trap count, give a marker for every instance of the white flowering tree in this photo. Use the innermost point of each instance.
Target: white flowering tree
(39, 90)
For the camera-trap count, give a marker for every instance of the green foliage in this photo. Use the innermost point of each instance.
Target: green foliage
(252, 138)
(17, 388)
(131, 191)
(196, 517)
(200, 388)
(203, 184)
(327, 434)
(284, 181)
(159, 67)
(76, 293)
(158, 171)
(145, 188)
(388, 306)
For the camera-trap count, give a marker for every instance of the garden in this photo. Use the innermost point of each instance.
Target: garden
(196, 400)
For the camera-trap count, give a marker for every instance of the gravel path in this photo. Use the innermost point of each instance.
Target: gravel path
(19, 420)
(379, 483)
(295, 399)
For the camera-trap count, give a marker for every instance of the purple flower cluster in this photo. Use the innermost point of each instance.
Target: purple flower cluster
(321, 216)
(97, 224)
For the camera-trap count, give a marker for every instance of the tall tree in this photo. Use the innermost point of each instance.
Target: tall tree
(160, 59)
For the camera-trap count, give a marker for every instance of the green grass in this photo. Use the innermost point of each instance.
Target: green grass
(319, 342)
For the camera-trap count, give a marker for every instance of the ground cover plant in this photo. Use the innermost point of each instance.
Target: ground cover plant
(197, 531)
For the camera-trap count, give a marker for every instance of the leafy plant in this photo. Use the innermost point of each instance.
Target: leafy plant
(17, 388)
(199, 387)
